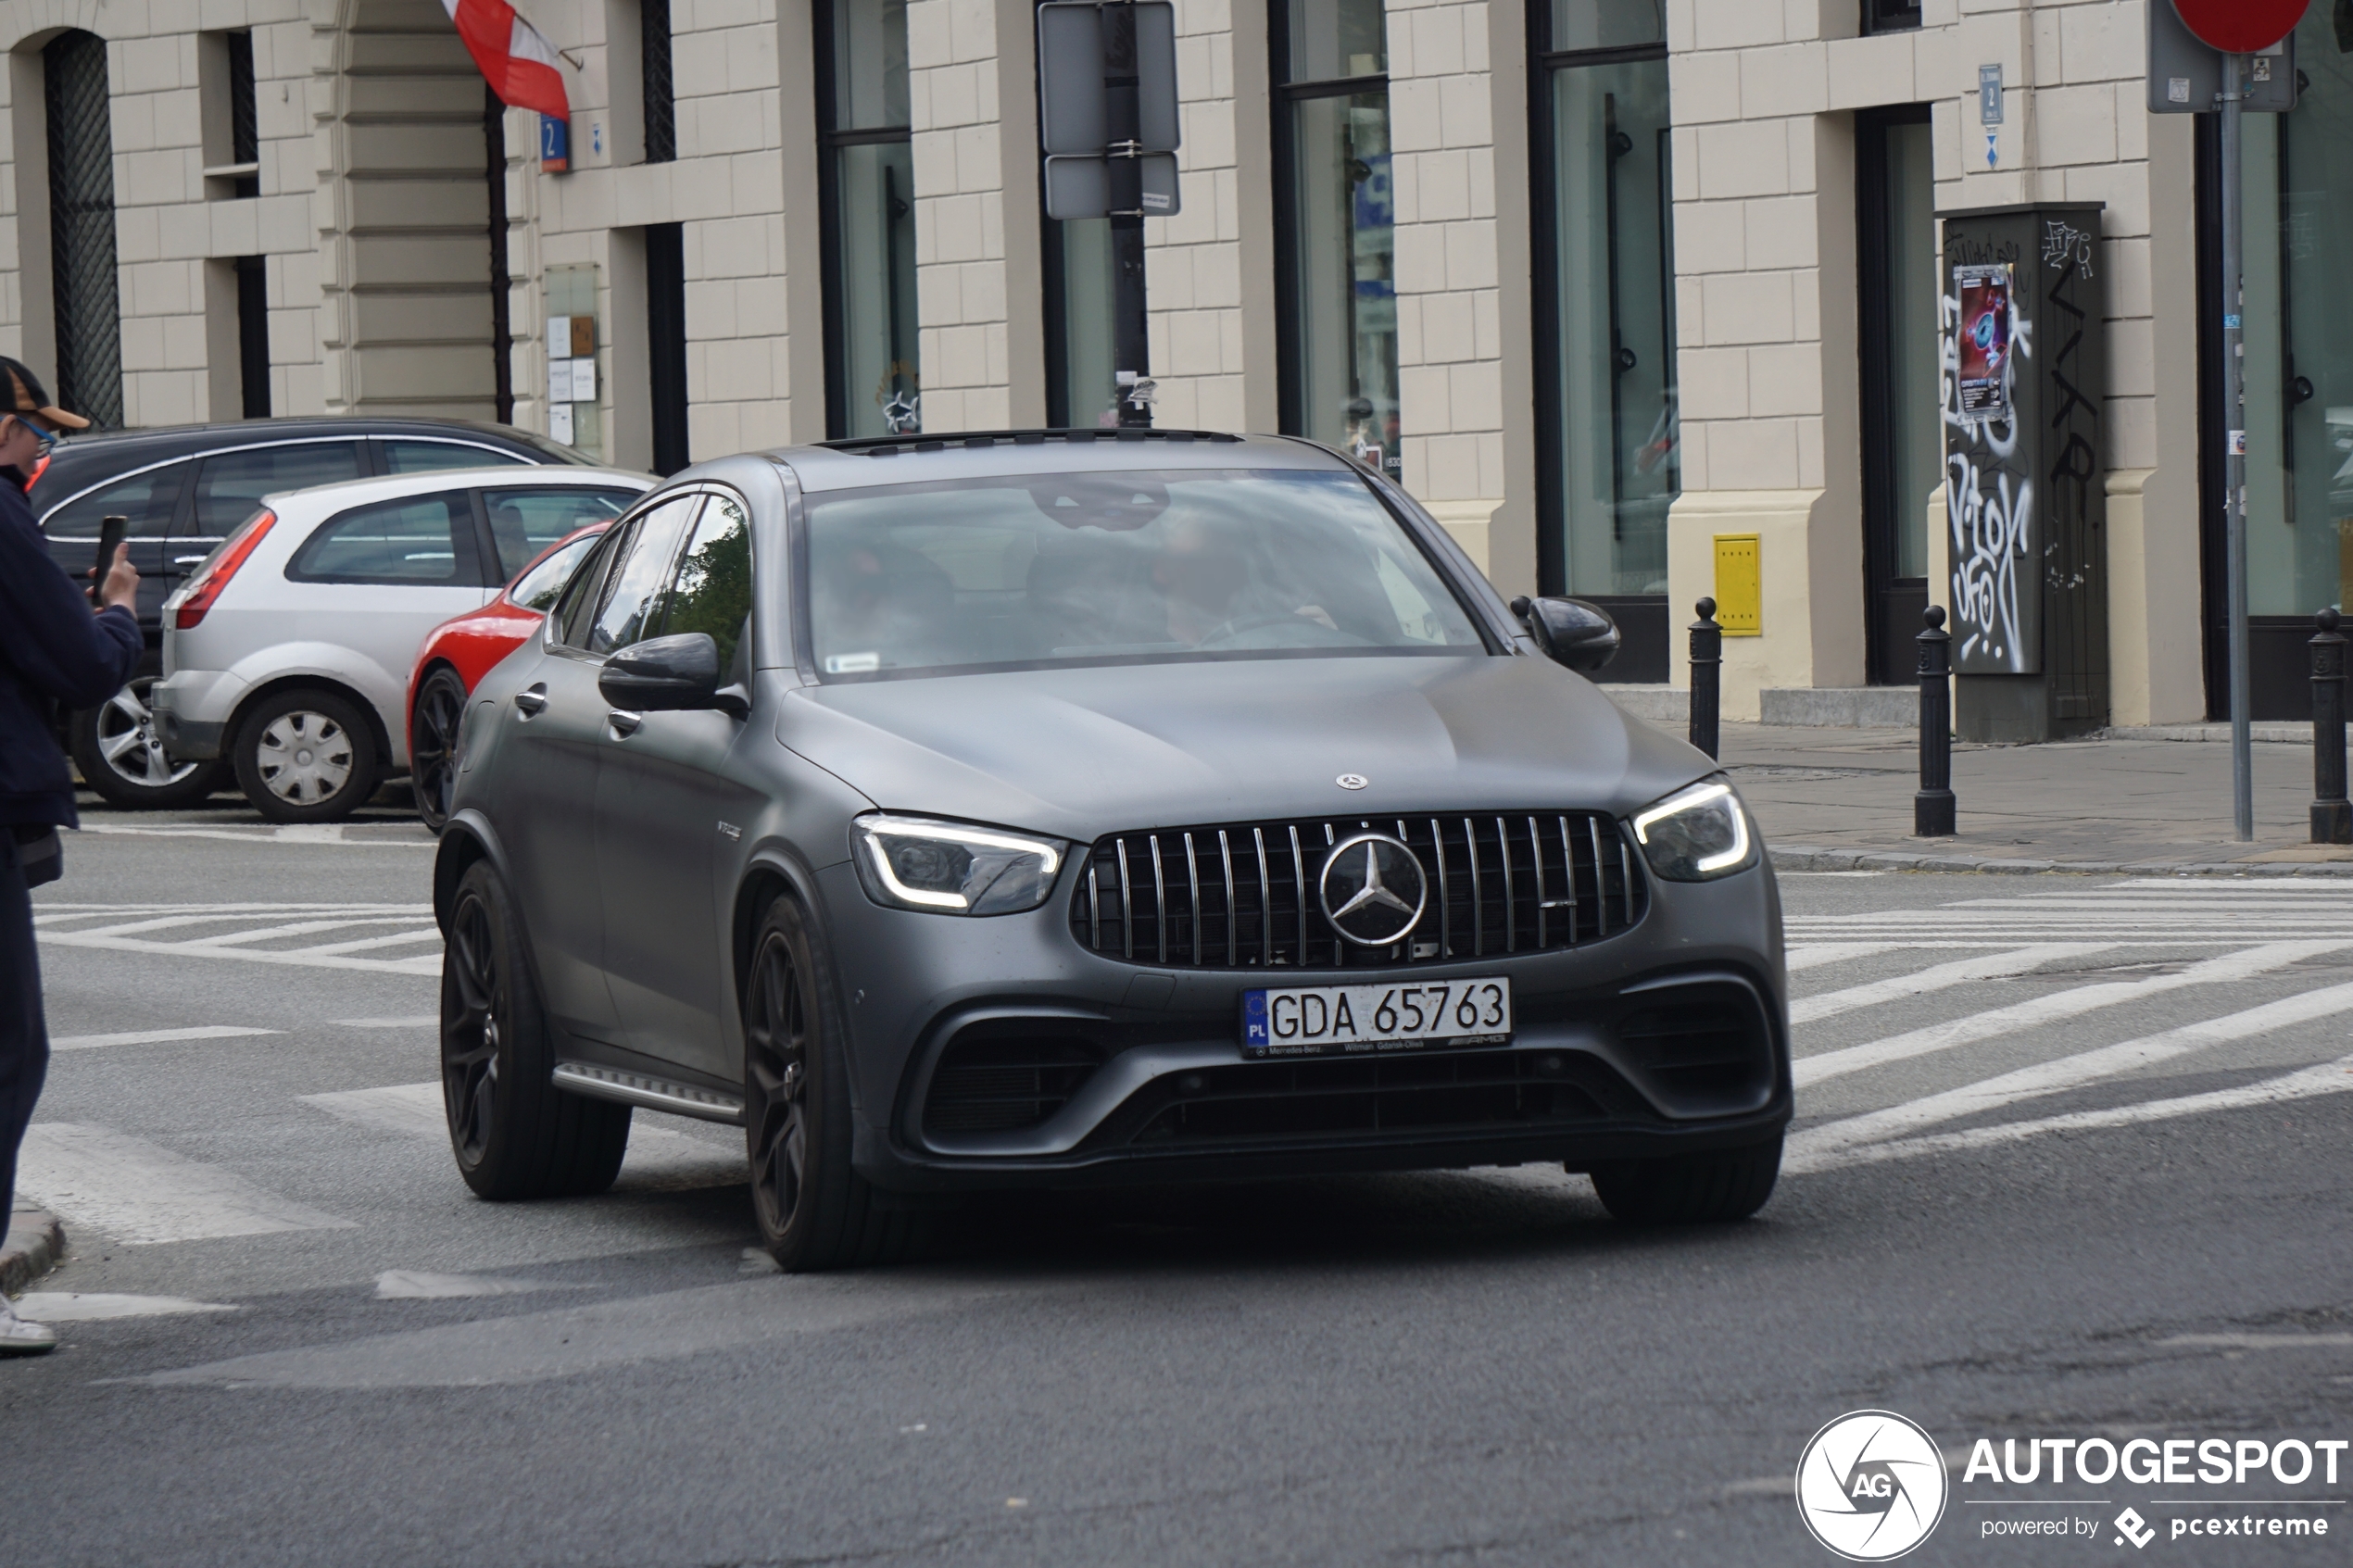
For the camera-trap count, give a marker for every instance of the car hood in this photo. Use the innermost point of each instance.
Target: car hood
(1078, 753)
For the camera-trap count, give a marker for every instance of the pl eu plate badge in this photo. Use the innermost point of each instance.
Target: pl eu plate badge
(1254, 1040)
(555, 144)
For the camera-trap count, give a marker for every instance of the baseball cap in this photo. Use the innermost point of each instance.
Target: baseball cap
(22, 394)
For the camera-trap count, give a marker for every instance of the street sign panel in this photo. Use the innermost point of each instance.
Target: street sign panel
(2238, 27)
(2185, 73)
(1070, 78)
(1079, 187)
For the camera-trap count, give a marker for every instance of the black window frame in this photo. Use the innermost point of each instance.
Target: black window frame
(830, 141)
(586, 588)
(1645, 619)
(658, 102)
(1887, 652)
(245, 119)
(1889, 15)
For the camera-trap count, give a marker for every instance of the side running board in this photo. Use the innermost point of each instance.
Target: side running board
(654, 1094)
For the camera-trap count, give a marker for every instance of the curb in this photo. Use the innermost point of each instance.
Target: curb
(35, 1245)
(1804, 858)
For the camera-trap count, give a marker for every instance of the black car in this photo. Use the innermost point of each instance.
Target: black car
(182, 489)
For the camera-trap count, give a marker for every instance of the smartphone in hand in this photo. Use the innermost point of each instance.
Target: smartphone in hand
(110, 533)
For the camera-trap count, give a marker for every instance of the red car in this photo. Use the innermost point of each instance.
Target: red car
(462, 649)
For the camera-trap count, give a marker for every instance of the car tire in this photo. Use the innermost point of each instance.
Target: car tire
(1691, 1189)
(515, 1135)
(814, 1212)
(433, 744)
(306, 755)
(114, 746)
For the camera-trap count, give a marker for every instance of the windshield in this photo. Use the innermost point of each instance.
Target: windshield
(1039, 570)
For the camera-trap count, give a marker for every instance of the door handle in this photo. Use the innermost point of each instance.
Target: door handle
(532, 700)
(625, 723)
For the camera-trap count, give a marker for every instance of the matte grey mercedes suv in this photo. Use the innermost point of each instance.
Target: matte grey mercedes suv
(1055, 808)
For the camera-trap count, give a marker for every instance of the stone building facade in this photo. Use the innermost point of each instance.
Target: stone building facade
(1605, 282)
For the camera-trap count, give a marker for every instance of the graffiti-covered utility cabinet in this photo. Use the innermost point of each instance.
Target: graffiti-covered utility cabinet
(2026, 506)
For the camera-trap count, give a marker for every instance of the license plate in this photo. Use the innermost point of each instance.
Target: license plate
(1320, 1020)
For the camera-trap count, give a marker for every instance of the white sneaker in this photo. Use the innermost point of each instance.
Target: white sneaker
(19, 1337)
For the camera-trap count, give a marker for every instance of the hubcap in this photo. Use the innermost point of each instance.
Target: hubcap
(469, 1031)
(127, 741)
(304, 758)
(777, 1053)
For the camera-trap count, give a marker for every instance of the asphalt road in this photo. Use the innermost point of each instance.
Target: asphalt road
(2024, 1201)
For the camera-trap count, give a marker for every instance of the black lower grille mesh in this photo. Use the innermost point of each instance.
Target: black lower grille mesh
(1243, 895)
(1458, 1090)
(1004, 1084)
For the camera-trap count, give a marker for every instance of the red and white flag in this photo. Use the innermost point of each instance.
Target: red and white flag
(515, 57)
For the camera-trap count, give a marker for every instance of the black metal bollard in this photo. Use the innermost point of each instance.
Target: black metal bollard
(1707, 676)
(1934, 812)
(2331, 813)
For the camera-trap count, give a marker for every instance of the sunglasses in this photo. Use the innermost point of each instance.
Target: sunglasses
(46, 438)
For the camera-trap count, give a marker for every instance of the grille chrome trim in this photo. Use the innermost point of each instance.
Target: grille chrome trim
(1505, 908)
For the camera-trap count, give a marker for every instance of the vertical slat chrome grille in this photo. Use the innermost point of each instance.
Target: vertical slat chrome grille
(1531, 882)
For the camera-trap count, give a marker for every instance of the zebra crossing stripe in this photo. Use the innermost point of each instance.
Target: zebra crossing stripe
(154, 1036)
(1991, 966)
(659, 1158)
(2070, 1072)
(144, 1195)
(1815, 954)
(2324, 1078)
(2221, 970)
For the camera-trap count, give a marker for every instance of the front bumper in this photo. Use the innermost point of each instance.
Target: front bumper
(999, 1053)
(192, 709)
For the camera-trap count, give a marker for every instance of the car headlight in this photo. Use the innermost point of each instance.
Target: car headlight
(1697, 834)
(949, 869)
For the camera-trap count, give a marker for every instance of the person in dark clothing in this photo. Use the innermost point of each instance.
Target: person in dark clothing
(52, 651)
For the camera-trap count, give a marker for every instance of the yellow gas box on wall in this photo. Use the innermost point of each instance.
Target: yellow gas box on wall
(1740, 593)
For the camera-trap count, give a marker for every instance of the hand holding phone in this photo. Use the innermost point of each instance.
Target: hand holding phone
(110, 534)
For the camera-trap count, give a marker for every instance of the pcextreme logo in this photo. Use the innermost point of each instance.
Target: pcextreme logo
(1870, 1485)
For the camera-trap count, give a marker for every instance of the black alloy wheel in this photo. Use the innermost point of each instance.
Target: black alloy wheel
(814, 1210)
(515, 1135)
(433, 744)
(121, 756)
(1691, 1189)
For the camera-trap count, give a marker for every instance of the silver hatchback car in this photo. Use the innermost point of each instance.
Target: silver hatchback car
(1056, 808)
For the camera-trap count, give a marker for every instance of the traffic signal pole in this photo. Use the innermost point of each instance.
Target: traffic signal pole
(2234, 447)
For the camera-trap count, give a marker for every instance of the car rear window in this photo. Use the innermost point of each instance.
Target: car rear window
(147, 499)
(417, 539)
(431, 457)
(231, 485)
(1037, 571)
(526, 519)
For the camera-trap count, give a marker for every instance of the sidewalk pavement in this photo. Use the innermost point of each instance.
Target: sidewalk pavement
(1841, 799)
(32, 1248)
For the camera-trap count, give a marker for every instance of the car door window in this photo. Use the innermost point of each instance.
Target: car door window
(147, 499)
(525, 520)
(431, 457)
(545, 584)
(231, 485)
(631, 588)
(712, 590)
(577, 609)
(417, 539)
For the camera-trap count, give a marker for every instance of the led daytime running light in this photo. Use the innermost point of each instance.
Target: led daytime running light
(875, 829)
(1674, 806)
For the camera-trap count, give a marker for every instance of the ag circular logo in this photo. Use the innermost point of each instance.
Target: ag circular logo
(1870, 1485)
(1372, 889)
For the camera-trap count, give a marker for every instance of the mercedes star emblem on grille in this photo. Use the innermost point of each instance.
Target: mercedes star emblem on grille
(1373, 890)
(1352, 781)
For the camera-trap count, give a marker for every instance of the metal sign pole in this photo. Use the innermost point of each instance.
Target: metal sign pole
(1123, 125)
(2234, 451)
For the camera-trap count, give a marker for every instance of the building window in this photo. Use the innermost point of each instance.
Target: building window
(1335, 229)
(244, 119)
(253, 335)
(659, 98)
(81, 252)
(1609, 461)
(666, 343)
(869, 188)
(1891, 15)
(1080, 330)
(2297, 173)
(1897, 270)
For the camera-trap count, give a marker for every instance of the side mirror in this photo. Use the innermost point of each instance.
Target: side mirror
(668, 676)
(1571, 632)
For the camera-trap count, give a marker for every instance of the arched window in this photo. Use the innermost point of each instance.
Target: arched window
(82, 281)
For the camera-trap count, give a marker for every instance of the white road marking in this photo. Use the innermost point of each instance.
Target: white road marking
(2327, 1078)
(2037, 1010)
(154, 1036)
(144, 1195)
(415, 1285)
(660, 1159)
(422, 1020)
(1993, 966)
(298, 928)
(69, 925)
(1814, 955)
(2257, 1341)
(397, 939)
(428, 964)
(92, 1306)
(2072, 1071)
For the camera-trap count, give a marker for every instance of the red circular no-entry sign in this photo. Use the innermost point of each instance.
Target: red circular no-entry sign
(2241, 27)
